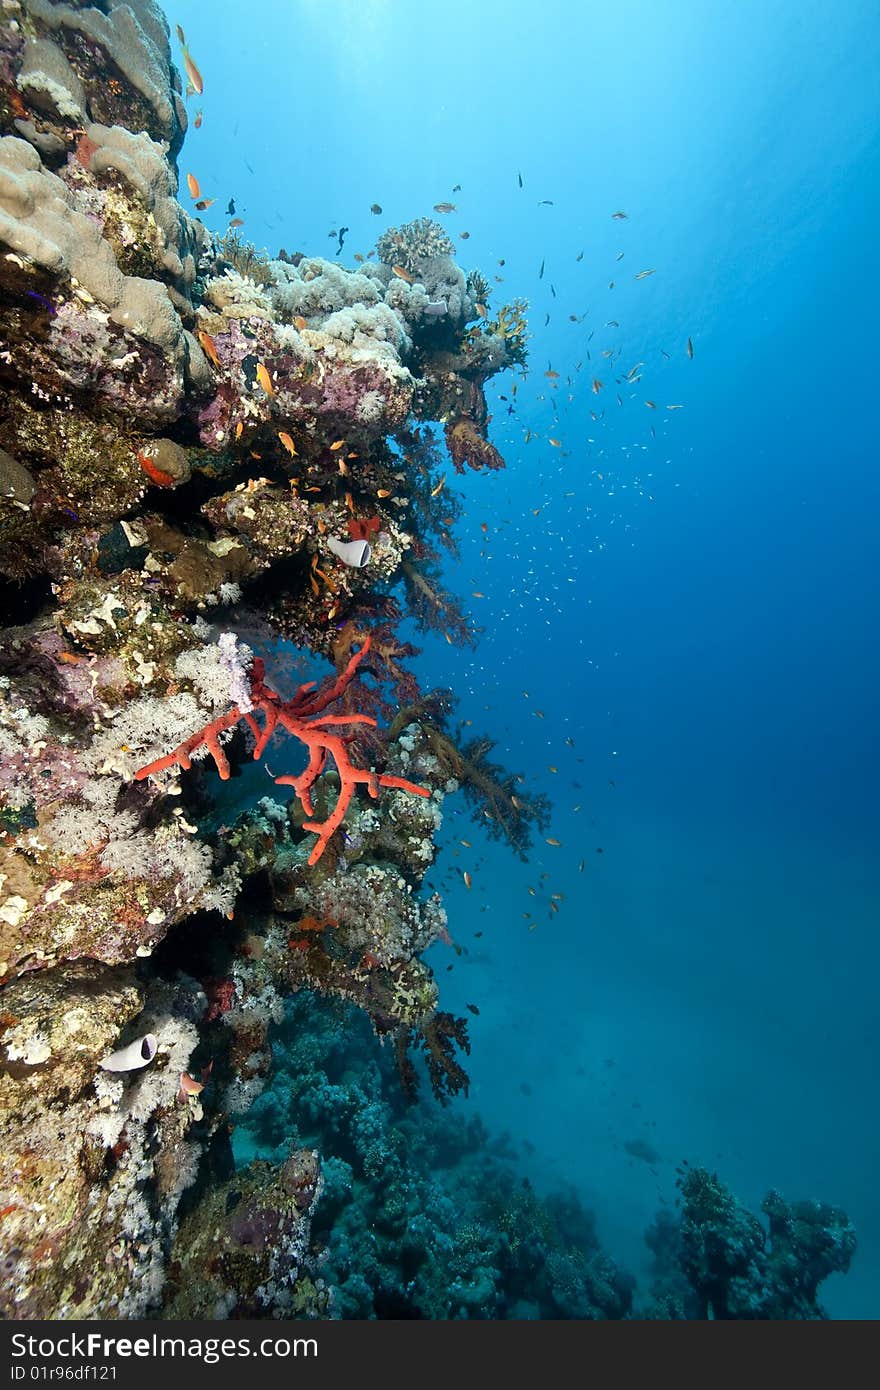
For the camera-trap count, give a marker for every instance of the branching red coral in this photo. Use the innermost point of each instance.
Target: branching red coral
(298, 717)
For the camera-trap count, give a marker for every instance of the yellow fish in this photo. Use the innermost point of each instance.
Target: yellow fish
(264, 379)
(192, 184)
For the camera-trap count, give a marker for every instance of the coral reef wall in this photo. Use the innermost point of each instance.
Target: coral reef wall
(218, 467)
(204, 451)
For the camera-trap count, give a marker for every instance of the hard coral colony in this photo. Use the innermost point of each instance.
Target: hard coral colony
(204, 447)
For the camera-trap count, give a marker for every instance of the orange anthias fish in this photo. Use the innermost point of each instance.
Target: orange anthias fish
(467, 879)
(189, 1086)
(435, 492)
(196, 80)
(264, 379)
(402, 274)
(198, 120)
(192, 184)
(208, 346)
(299, 322)
(337, 444)
(204, 203)
(236, 222)
(287, 442)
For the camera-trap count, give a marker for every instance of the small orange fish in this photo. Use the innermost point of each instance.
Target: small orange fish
(209, 347)
(239, 428)
(466, 843)
(435, 491)
(189, 1086)
(299, 322)
(597, 385)
(557, 443)
(192, 184)
(552, 376)
(467, 879)
(287, 442)
(204, 203)
(477, 594)
(482, 311)
(383, 492)
(551, 768)
(264, 379)
(337, 444)
(198, 120)
(557, 844)
(69, 658)
(237, 222)
(402, 274)
(484, 526)
(358, 257)
(196, 80)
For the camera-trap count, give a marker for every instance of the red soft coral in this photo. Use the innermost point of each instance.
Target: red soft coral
(298, 716)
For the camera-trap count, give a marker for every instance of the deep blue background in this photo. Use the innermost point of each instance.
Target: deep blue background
(702, 619)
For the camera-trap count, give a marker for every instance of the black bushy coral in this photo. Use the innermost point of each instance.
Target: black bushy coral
(736, 1269)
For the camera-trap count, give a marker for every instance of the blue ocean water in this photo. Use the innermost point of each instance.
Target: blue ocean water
(690, 596)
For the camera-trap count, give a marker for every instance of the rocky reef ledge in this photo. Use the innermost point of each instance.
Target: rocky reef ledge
(214, 466)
